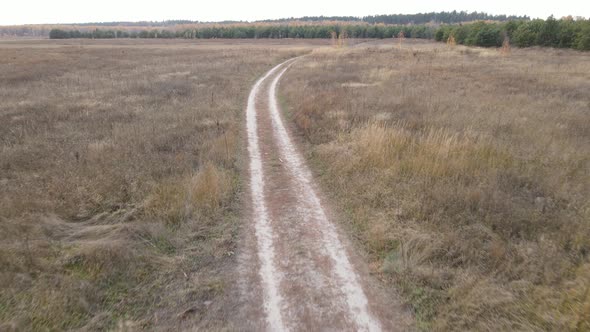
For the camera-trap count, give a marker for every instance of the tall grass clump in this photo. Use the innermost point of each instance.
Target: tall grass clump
(194, 196)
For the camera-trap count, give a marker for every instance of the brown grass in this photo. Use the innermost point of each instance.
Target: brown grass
(119, 177)
(463, 173)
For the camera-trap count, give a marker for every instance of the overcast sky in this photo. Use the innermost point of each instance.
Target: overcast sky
(70, 11)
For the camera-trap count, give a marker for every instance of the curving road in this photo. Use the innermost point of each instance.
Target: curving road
(297, 272)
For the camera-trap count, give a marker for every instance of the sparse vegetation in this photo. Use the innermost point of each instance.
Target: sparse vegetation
(461, 172)
(119, 177)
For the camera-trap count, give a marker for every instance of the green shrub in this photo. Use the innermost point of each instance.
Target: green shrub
(548, 35)
(59, 34)
(582, 39)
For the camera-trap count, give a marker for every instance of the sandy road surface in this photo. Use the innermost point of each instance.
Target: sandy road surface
(297, 272)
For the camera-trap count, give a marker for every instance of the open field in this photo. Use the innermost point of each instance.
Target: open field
(465, 175)
(120, 182)
(457, 177)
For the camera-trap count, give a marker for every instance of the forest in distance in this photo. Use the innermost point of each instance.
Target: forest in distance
(561, 33)
(419, 18)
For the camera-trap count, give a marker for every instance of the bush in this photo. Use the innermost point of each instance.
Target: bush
(548, 35)
(567, 34)
(526, 34)
(439, 35)
(582, 40)
(488, 36)
(59, 34)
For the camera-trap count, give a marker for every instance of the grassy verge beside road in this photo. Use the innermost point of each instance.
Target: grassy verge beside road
(463, 173)
(120, 181)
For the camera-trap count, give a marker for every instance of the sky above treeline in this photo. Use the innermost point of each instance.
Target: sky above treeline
(69, 11)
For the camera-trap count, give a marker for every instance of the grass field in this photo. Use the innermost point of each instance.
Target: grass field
(463, 172)
(119, 176)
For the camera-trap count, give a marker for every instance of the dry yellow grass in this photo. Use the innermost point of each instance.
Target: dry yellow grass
(462, 172)
(119, 177)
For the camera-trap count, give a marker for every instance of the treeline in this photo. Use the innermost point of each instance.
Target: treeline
(440, 17)
(111, 34)
(24, 31)
(258, 31)
(563, 33)
(315, 19)
(310, 31)
(167, 23)
(403, 19)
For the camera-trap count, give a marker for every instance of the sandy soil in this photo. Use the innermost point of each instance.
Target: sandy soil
(298, 272)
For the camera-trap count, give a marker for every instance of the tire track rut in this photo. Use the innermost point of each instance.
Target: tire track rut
(305, 277)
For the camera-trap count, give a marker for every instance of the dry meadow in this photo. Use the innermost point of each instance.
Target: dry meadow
(119, 180)
(462, 172)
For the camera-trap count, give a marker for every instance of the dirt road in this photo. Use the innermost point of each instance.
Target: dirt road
(297, 271)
